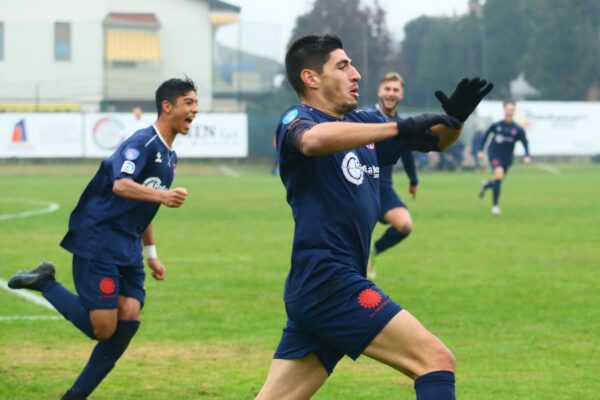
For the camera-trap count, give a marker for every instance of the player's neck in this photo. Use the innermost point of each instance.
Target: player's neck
(321, 105)
(388, 113)
(166, 132)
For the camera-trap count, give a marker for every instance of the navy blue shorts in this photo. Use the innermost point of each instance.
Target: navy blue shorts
(389, 200)
(344, 323)
(99, 284)
(499, 160)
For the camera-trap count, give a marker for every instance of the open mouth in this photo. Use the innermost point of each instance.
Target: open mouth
(354, 92)
(188, 123)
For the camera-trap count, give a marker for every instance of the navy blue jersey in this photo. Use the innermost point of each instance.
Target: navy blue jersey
(334, 200)
(408, 161)
(504, 136)
(108, 227)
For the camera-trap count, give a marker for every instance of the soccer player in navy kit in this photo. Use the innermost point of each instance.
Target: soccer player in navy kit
(107, 229)
(393, 210)
(505, 135)
(330, 160)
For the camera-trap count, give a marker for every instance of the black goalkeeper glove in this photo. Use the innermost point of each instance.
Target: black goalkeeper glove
(416, 130)
(465, 98)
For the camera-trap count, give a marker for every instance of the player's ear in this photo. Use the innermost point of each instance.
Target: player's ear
(166, 106)
(310, 78)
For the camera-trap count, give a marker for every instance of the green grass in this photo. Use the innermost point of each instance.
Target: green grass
(517, 298)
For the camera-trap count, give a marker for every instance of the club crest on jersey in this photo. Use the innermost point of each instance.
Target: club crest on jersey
(289, 117)
(370, 146)
(128, 167)
(131, 154)
(158, 158)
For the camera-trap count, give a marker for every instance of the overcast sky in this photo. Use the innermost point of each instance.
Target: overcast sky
(268, 24)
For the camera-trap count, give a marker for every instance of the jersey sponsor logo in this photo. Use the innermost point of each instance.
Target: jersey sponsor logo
(369, 299)
(289, 117)
(354, 171)
(154, 182)
(158, 158)
(370, 146)
(128, 167)
(107, 286)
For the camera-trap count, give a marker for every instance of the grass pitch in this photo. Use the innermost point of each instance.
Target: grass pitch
(515, 297)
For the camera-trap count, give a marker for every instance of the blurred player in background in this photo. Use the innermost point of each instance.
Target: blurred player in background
(393, 209)
(504, 135)
(330, 158)
(107, 230)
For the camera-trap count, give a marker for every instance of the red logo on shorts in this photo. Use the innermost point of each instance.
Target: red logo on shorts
(495, 162)
(107, 286)
(369, 298)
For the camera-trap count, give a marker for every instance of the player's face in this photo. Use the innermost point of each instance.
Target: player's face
(184, 111)
(509, 112)
(339, 82)
(390, 93)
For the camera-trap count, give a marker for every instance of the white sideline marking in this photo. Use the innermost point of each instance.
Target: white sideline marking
(47, 208)
(31, 318)
(40, 301)
(228, 171)
(547, 168)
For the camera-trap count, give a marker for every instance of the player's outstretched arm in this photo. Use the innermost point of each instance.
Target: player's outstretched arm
(331, 137)
(131, 190)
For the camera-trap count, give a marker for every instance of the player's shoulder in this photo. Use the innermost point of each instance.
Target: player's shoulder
(297, 111)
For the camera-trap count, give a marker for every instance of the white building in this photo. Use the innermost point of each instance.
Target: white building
(103, 54)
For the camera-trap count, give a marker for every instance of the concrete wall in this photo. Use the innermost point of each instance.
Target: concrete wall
(29, 70)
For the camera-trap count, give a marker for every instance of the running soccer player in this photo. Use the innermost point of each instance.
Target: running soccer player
(393, 210)
(330, 160)
(504, 136)
(106, 232)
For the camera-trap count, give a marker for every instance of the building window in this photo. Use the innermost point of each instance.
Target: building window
(1, 41)
(131, 40)
(62, 41)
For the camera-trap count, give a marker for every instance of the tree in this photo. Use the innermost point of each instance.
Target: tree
(507, 27)
(436, 53)
(563, 56)
(363, 31)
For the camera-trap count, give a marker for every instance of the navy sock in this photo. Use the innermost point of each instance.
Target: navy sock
(69, 305)
(437, 385)
(489, 184)
(496, 190)
(103, 359)
(390, 238)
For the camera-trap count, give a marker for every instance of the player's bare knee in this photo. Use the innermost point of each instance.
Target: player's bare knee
(406, 227)
(441, 358)
(104, 330)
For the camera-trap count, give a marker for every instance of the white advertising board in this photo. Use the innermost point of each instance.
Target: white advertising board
(97, 135)
(32, 135)
(553, 128)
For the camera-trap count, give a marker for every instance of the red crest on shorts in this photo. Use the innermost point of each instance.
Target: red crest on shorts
(495, 162)
(107, 286)
(369, 298)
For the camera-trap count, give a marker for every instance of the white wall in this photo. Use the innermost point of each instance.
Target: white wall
(29, 50)
(29, 63)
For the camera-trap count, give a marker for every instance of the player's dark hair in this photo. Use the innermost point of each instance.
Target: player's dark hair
(171, 89)
(506, 102)
(309, 52)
